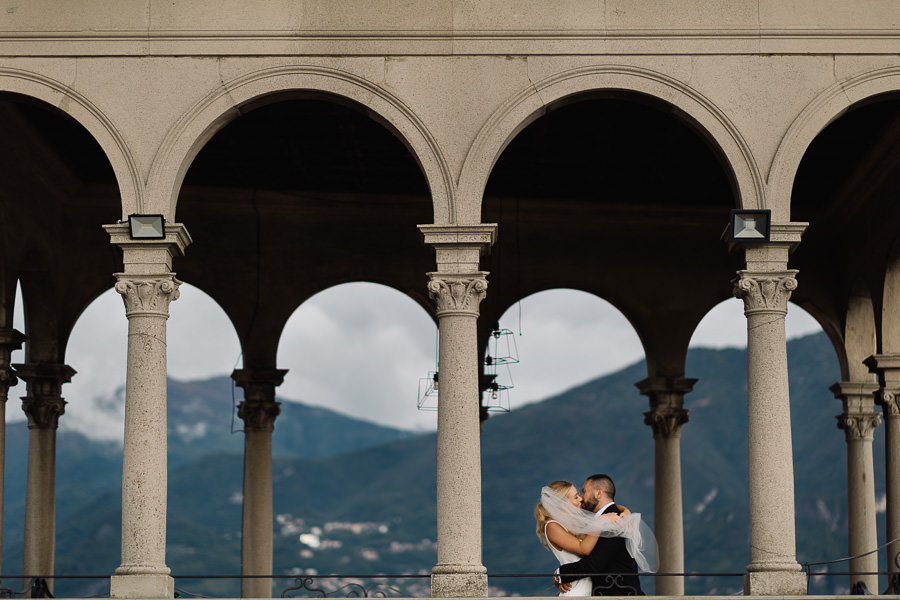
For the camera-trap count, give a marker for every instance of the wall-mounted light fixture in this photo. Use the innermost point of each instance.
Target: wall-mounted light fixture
(750, 226)
(147, 227)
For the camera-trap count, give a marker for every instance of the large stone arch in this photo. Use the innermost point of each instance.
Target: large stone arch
(528, 105)
(186, 138)
(830, 104)
(89, 116)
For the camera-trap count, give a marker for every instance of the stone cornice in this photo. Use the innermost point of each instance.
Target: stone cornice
(149, 257)
(11, 339)
(482, 235)
(362, 42)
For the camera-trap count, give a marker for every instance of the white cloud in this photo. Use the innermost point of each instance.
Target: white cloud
(567, 338)
(360, 349)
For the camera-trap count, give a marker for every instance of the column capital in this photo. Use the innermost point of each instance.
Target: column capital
(765, 291)
(858, 427)
(457, 293)
(149, 257)
(666, 421)
(10, 340)
(43, 403)
(666, 395)
(147, 295)
(259, 416)
(889, 401)
(259, 409)
(458, 248)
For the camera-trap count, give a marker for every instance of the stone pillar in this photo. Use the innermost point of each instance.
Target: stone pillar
(458, 288)
(147, 286)
(665, 417)
(773, 570)
(859, 421)
(10, 340)
(258, 410)
(43, 404)
(887, 366)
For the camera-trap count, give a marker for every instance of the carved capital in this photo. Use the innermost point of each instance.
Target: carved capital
(147, 295)
(8, 379)
(858, 426)
(889, 402)
(764, 292)
(43, 412)
(457, 294)
(43, 403)
(259, 416)
(666, 422)
(10, 340)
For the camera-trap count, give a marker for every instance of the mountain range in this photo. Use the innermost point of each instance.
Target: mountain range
(352, 497)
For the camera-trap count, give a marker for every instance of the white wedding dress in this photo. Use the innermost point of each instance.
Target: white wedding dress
(580, 587)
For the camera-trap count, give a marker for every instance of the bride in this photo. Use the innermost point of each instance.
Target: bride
(571, 532)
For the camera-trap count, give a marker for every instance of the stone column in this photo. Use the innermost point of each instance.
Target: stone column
(859, 421)
(43, 404)
(147, 286)
(10, 340)
(887, 366)
(773, 570)
(258, 410)
(458, 288)
(665, 417)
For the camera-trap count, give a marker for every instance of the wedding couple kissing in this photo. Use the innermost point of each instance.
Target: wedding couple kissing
(600, 545)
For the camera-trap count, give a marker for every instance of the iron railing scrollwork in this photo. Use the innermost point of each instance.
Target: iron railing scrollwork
(613, 582)
(347, 590)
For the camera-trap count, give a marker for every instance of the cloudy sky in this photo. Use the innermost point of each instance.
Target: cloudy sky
(361, 349)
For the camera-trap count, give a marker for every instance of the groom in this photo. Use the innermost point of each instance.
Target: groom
(613, 571)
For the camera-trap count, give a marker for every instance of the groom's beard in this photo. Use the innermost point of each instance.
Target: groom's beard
(589, 504)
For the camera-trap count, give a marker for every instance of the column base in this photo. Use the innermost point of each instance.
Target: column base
(459, 581)
(775, 583)
(141, 586)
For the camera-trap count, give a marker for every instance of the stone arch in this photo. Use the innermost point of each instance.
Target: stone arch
(815, 117)
(528, 105)
(186, 138)
(89, 116)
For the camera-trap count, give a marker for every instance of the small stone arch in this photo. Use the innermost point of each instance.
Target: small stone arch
(89, 116)
(187, 137)
(815, 117)
(528, 105)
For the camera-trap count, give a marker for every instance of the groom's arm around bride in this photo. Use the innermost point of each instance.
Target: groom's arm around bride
(612, 569)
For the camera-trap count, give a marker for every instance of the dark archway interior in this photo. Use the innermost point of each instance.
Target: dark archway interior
(620, 197)
(299, 146)
(57, 189)
(846, 188)
(612, 152)
(296, 196)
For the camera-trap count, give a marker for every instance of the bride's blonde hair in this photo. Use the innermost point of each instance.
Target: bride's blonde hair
(540, 513)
